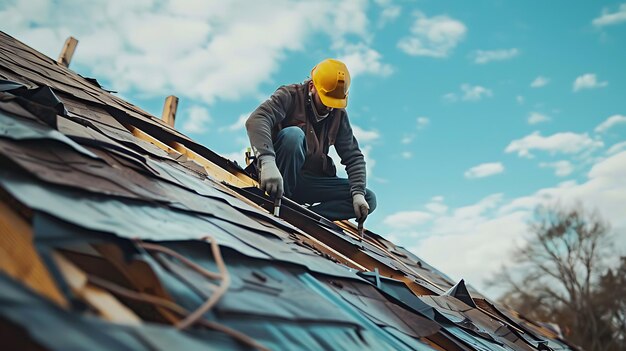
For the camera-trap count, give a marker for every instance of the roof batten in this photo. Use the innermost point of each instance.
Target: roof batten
(68, 51)
(169, 110)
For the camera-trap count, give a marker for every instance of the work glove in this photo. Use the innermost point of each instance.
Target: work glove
(361, 208)
(270, 179)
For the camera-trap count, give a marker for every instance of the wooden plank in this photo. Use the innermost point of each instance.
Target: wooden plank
(68, 51)
(106, 304)
(138, 133)
(140, 274)
(322, 247)
(169, 110)
(215, 171)
(20, 260)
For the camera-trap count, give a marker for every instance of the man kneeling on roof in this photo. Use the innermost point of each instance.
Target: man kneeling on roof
(291, 134)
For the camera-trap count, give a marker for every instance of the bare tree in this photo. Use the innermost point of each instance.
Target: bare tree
(611, 298)
(562, 276)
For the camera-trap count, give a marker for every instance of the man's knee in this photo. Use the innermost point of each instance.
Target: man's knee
(291, 139)
(370, 197)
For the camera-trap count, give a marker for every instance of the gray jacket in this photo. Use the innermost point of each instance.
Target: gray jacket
(290, 106)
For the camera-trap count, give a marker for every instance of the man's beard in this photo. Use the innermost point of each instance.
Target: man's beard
(318, 116)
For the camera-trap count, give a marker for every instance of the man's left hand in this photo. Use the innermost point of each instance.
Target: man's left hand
(361, 208)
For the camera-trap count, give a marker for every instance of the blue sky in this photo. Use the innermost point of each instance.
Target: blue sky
(470, 113)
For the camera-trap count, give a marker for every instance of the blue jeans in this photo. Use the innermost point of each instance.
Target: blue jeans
(332, 193)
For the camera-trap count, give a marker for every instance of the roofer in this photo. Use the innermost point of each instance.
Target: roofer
(291, 133)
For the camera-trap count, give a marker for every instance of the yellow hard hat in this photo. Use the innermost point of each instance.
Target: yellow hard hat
(332, 81)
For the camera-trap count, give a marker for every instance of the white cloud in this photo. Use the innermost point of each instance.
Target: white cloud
(436, 208)
(345, 17)
(561, 168)
(422, 122)
(196, 119)
(407, 219)
(539, 82)
(470, 236)
(487, 203)
(433, 36)
(610, 122)
(486, 56)
(389, 13)
(450, 97)
(406, 155)
(364, 136)
(566, 142)
(607, 18)
(484, 170)
(536, 117)
(469, 93)
(588, 81)
(239, 124)
(407, 139)
(519, 99)
(491, 228)
(616, 148)
(436, 205)
(184, 46)
(475, 93)
(604, 190)
(361, 59)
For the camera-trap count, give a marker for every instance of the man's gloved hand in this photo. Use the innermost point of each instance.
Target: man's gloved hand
(361, 208)
(270, 179)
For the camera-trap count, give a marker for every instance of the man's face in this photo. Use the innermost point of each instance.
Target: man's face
(321, 108)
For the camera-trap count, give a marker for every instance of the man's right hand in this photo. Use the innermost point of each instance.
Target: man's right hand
(361, 208)
(270, 179)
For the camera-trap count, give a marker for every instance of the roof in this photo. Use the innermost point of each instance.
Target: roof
(119, 232)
